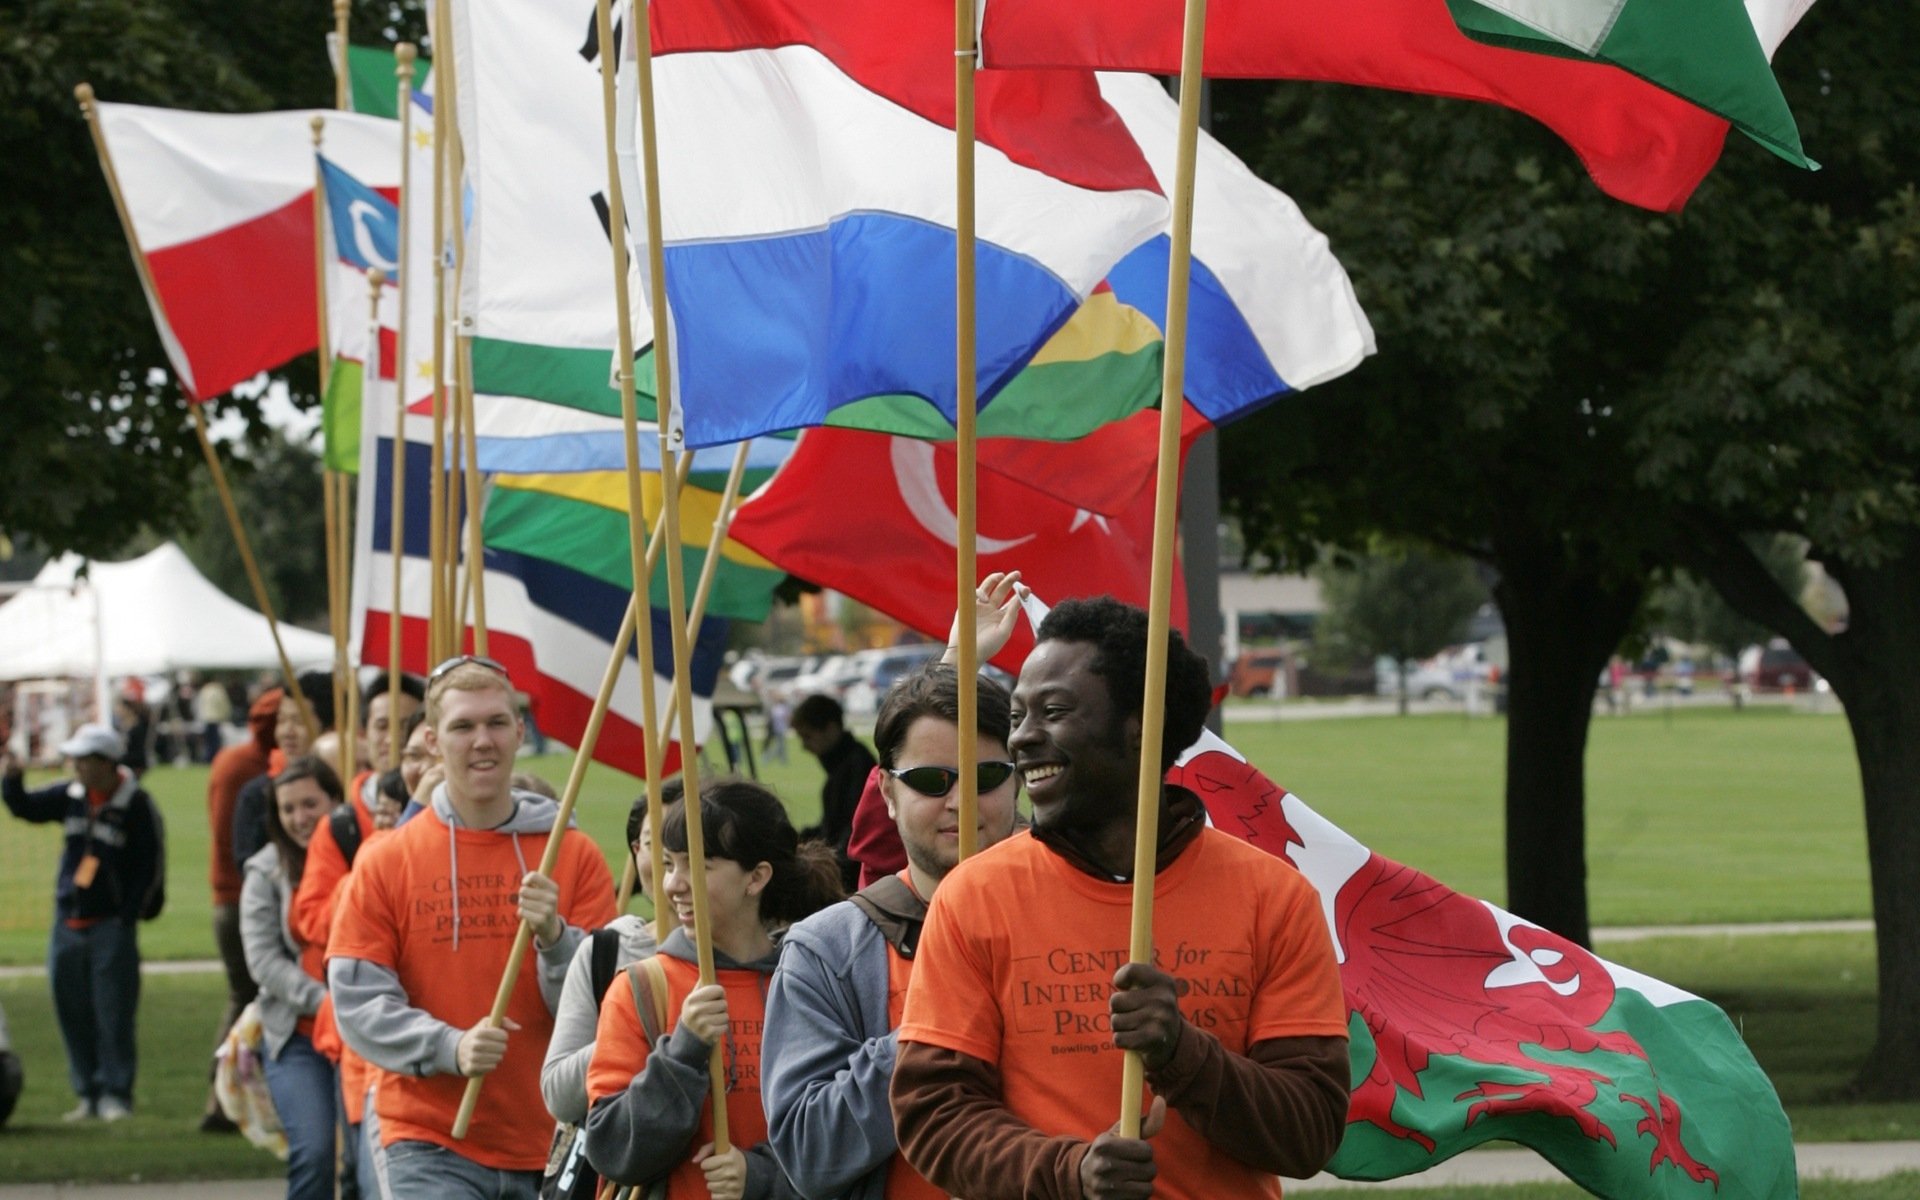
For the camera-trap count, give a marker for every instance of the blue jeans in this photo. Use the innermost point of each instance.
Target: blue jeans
(424, 1171)
(95, 974)
(304, 1089)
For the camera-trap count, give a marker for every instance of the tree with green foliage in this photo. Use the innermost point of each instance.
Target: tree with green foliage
(1401, 602)
(1581, 394)
(97, 441)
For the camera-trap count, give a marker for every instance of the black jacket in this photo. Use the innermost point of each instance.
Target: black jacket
(123, 834)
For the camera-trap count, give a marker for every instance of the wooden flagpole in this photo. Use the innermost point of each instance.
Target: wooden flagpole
(966, 55)
(342, 96)
(440, 633)
(670, 438)
(602, 700)
(1166, 507)
(630, 422)
(466, 424)
(332, 483)
(708, 569)
(403, 55)
(83, 93)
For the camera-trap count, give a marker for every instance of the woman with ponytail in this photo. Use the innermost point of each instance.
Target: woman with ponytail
(650, 1120)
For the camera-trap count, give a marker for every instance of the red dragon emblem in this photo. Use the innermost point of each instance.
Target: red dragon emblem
(1436, 973)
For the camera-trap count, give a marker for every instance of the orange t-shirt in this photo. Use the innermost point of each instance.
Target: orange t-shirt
(903, 1182)
(620, 1053)
(399, 911)
(1016, 965)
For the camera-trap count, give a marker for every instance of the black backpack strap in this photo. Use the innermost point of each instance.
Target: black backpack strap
(894, 910)
(606, 961)
(346, 831)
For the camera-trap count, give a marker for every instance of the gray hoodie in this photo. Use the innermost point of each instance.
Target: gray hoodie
(375, 1015)
(563, 1077)
(640, 1135)
(287, 992)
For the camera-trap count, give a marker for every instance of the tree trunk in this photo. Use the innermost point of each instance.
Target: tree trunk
(1564, 618)
(1874, 668)
(1401, 665)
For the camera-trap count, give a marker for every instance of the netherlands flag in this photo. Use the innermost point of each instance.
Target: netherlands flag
(808, 208)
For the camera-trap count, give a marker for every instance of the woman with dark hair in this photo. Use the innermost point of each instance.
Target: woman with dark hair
(291, 975)
(649, 1120)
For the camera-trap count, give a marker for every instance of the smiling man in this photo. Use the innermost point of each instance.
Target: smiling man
(1008, 1076)
(422, 937)
(833, 1004)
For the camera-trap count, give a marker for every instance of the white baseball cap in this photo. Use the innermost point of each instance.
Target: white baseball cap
(94, 739)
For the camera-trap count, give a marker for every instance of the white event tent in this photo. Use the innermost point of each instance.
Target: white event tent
(153, 615)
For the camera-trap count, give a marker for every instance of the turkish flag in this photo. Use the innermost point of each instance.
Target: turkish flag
(1111, 466)
(871, 515)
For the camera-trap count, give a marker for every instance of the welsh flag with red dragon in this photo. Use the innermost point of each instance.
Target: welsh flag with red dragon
(1470, 1025)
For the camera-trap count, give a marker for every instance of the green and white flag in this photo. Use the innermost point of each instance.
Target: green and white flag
(1713, 53)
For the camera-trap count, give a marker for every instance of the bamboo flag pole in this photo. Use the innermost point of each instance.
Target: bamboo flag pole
(440, 636)
(642, 43)
(966, 55)
(1166, 505)
(342, 98)
(708, 569)
(466, 420)
(642, 568)
(331, 482)
(83, 93)
(403, 55)
(582, 756)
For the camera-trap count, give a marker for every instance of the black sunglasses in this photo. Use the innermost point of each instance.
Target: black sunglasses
(462, 660)
(938, 781)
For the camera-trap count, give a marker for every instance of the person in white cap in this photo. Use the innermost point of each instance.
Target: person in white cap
(109, 872)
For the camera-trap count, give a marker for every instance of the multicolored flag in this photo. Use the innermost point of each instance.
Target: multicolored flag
(871, 515)
(222, 209)
(372, 85)
(1713, 53)
(1471, 1025)
(579, 519)
(363, 231)
(806, 192)
(551, 626)
(1640, 142)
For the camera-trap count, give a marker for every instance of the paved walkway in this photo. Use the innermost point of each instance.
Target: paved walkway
(1832, 1160)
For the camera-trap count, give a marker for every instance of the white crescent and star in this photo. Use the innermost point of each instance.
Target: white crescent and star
(920, 490)
(361, 212)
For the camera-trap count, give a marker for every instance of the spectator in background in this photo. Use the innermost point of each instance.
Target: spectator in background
(130, 717)
(779, 717)
(820, 724)
(290, 731)
(212, 709)
(234, 768)
(109, 867)
(290, 973)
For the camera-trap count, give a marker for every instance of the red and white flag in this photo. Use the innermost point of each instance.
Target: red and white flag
(871, 516)
(222, 210)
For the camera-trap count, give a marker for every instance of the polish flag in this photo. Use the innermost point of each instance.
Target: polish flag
(222, 209)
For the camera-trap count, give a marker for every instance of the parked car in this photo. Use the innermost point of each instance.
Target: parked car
(1260, 671)
(1775, 668)
(878, 669)
(1445, 676)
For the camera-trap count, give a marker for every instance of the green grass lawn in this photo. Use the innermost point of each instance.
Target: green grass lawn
(1700, 817)
(1804, 1003)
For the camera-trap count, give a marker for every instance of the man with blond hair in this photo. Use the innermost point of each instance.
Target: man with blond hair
(422, 937)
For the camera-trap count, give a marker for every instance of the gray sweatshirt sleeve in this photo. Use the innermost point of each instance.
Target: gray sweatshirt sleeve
(639, 1135)
(765, 1179)
(382, 1027)
(825, 1088)
(554, 962)
(276, 971)
(576, 1019)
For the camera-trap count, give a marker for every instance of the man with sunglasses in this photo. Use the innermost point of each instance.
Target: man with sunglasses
(424, 933)
(1008, 1074)
(833, 1004)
